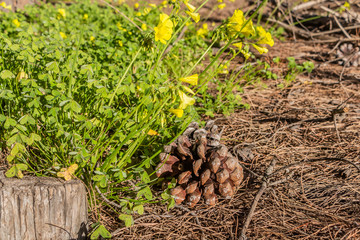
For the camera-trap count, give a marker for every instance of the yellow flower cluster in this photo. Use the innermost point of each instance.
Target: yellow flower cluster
(68, 173)
(3, 4)
(164, 29)
(237, 24)
(61, 13)
(264, 38)
(185, 100)
(191, 12)
(202, 32)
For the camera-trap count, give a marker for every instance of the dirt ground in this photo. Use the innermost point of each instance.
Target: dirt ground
(315, 120)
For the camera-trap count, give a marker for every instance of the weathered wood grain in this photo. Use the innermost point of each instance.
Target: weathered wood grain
(42, 208)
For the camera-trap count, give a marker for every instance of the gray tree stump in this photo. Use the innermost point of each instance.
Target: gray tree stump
(37, 208)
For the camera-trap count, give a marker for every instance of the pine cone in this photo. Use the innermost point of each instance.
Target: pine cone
(202, 166)
(349, 55)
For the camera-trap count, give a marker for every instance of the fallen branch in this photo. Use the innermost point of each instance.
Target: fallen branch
(262, 189)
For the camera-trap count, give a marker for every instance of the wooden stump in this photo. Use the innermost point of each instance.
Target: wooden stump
(37, 208)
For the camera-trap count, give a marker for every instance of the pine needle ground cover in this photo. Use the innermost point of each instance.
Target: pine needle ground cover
(94, 91)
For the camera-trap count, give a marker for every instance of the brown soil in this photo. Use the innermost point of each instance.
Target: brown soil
(305, 121)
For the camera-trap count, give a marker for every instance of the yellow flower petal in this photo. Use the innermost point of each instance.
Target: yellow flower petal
(261, 50)
(188, 90)
(203, 31)
(194, 16)
(236, 24)
(67, 173)
(16, 23)
(193, 79)
(178, 112)
(153, 133)
(63, 35)
(164, 29)
(265, 37)
(62, 12)
(222, 5)
(86, 16)
(190, 7)
(143, 27)
(3, 4)
(238, 45)
(73, 168)
(136, 5)
(185, 101)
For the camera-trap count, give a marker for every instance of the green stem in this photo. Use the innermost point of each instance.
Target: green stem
(172, 38)
(124, 75)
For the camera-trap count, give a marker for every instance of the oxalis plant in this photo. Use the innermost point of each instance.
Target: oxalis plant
(93, 92)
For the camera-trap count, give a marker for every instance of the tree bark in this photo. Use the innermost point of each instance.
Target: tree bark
(42, 208)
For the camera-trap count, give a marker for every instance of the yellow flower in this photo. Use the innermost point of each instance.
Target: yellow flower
(86, 16)
(236, 24)
(178, 112)
(193, 79)
(189, 90)
(120, 43)
(143, 27)
(63, 35)
(138, 14)
(62, 12)
(347, 5)
(222, 5)
(16, 23)
(265, 37)
(203, 31)
(3, 4)
(153, 133)
(223, 69)
(261, 50)
(136, 5)
(147, 10)
(68, 173)
(152, 5)
(194, 16)
(164, 29)
(164, 3)
(92, 38)
(219, 1)
(238, 45)
(185, 100)
(246, 54)
(119, 26)
(22, 75)
(190, 7)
